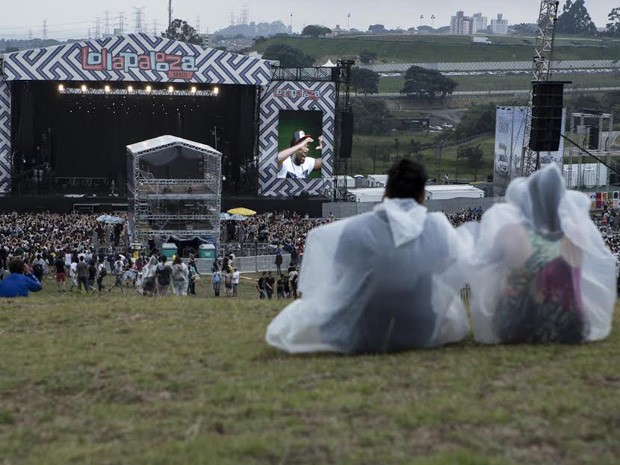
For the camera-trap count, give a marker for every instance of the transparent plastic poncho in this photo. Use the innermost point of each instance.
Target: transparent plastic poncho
(538, 267)
(383, 281)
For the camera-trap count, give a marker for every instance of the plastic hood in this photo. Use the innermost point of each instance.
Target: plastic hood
(406, 218)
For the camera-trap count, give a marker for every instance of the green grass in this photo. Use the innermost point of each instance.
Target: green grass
(422, 49)
(437, 163)
(111, 379)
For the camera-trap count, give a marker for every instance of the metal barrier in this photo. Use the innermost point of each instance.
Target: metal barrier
(247, 264)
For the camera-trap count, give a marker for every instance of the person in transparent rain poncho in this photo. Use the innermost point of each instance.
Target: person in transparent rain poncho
(379, 282)
(538, 267)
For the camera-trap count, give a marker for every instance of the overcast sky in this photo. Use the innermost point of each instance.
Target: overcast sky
(73, 18)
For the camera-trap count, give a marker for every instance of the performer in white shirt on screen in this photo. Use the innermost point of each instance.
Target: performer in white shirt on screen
(293, 162)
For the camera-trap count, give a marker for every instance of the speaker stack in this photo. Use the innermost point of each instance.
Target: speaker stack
(547, 105)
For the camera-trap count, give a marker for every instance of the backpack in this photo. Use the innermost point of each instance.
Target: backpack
(37, 268)
(163, 276)
(102, 271)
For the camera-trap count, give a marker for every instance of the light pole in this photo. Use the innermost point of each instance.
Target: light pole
(421, 18)
(349, 22)
(432, 21)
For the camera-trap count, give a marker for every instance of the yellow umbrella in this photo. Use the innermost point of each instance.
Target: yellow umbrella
(241, 211)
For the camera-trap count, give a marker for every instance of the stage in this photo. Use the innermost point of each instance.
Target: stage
(69, 112)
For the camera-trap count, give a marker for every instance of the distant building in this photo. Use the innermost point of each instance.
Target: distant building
(499, 26)
(207, 40)
(461, 25)
(336, 31)
(479, 23)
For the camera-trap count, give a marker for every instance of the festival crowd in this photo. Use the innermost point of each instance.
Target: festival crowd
(79, 252)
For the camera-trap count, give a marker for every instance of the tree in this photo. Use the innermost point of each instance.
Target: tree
(427, 83)
(315, 31)
(180, 30)
(377, 29)
(289, 57)
(524, 28)
(474, 157)
(611, 103)
(371, 116)
(479, 119)
(364, 81)
(613, 26)
(575, 19)
(424, 29)
(366, 56)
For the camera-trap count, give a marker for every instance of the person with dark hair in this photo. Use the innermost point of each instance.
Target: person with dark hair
(261, 286)
(294, 162)
(61, 274)
(163, 275)
(352, 303)
(180, 276)
(82, 274)
(193, 275)
(20, 281)
(117, 270)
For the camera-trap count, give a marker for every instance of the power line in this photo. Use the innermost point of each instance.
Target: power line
(121, 22)
(106, 30)
(138, 16)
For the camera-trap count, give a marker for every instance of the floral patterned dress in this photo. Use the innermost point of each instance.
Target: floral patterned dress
(541, 301)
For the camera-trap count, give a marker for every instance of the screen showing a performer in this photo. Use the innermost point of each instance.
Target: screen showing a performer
(300, 142)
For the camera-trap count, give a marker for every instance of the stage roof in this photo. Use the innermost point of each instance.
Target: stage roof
(166, 149)
(135, 58)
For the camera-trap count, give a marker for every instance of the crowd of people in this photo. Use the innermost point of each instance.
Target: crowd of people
(79, 251)
(49, 234)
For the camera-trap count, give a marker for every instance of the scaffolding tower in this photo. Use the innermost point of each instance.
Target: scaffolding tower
(174, 189)
(541, 72)
(592, 130)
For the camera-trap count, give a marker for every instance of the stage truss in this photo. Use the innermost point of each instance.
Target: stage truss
(182, 208)
(593, 130)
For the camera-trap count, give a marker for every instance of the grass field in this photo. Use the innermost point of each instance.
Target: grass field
(437, 163)
(423, 49)
(111, 379)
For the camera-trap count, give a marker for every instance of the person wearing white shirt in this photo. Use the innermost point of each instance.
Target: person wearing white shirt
(235, 281)
(293, 162)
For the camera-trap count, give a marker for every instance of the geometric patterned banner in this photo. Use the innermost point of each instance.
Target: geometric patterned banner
(5, 137)
(127, 58)
(295, 95)
(137, 58)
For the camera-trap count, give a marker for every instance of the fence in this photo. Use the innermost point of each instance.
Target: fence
(255, 264)
(496, 66)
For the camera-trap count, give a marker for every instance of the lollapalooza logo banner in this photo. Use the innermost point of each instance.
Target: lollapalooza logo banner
(137, 58)
(175, 66)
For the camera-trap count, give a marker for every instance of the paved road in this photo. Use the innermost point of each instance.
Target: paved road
(473, 93)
